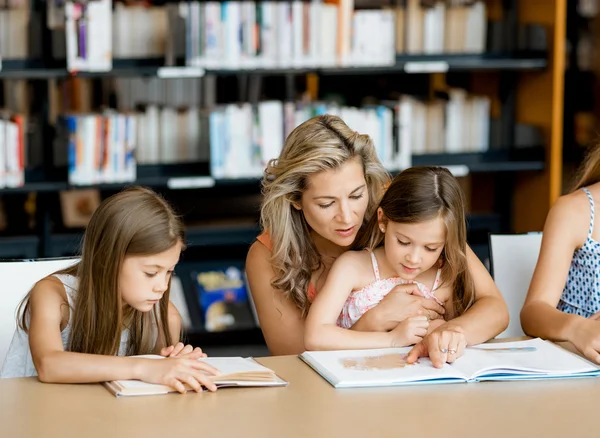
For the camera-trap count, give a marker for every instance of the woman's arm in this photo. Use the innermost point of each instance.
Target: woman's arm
(280, 320)
(55, 365)
(489, 315)
(539, 316)
(399, 304)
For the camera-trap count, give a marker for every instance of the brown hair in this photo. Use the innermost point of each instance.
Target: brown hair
(133, 222)
(589, 171)
(423, 193)
(322, 143)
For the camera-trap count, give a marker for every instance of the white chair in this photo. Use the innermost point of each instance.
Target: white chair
(512, 260)
(17, 278)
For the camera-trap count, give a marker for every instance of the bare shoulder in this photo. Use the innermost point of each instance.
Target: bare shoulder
(570, 213)
(356, 265)
(49, 288)
(49, 297)
(354, 259)
(575, 201)
(258, 256)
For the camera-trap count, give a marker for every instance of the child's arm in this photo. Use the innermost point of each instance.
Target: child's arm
(321, 331)
(564, 231)
(486, 318)
(55, 365)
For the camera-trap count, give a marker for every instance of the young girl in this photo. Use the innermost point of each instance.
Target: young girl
(421, 223)
(564, 295)
(79, 325)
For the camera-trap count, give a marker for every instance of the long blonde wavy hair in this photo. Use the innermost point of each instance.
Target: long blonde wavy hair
(421, 193)
(133, 222)
(322, 143)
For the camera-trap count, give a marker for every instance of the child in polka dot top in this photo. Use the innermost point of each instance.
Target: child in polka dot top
(418, 236)
(563, 302)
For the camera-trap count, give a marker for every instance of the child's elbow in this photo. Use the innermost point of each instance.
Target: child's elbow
(313, 340)
(310, 343)
(46, 371)
(503, 317)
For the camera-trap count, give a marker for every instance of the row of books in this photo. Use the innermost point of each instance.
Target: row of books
(452, 26)
(239, 139)
(250, 34)
(243, 138)
(12, 149)
(266, 34)
(100, 147)
(297, 34)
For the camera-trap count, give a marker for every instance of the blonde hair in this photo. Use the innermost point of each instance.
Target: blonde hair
(422, 193)
(134, 222)
(322, 143)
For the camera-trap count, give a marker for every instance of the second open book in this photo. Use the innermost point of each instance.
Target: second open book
(522, 360)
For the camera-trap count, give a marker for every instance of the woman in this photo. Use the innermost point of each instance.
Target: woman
(318, 195)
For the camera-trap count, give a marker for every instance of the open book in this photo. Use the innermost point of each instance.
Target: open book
(522, 360)
(235, 371)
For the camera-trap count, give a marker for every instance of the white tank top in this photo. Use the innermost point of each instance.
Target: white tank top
(18, 361)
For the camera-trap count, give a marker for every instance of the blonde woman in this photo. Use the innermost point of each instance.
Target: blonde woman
(318, 195)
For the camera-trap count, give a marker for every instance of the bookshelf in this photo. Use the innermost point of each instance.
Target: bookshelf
(516, 61)
(510, 187)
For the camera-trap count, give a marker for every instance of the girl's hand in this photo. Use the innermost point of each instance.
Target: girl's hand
(403, 302)
(586, 338)
(181, 350)
(433, 325)
(409, 332)
(595, 316)
(445, 344)
(177, 371)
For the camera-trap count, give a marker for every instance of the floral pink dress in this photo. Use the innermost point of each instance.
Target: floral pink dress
(360, 301)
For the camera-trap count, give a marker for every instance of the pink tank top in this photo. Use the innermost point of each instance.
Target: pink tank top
(360, 301)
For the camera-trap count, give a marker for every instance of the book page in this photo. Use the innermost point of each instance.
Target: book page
(381, 367)
(238, 368)
(234, 370)
(531, 357)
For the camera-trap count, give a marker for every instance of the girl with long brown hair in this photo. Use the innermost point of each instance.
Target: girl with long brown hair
(81, 324)
(418, 236)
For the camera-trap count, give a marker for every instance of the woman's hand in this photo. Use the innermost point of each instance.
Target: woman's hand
(176, 372)
(403, 302)
(181, 350)
(445, 344)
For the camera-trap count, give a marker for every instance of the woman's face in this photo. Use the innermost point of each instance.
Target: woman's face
(335, 202)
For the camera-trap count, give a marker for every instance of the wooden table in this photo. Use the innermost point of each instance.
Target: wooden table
(308, 407)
